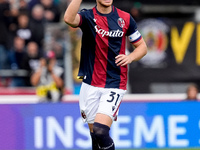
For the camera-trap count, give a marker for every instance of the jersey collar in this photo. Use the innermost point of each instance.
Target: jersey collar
(113, 9)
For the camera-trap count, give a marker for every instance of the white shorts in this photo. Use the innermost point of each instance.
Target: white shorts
(95, 100)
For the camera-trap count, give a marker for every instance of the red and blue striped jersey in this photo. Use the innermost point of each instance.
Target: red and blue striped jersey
(104, 37)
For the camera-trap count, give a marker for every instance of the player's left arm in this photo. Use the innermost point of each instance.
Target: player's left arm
(139, 51)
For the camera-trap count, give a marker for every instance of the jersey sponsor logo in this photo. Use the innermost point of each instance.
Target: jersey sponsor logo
(121, 22)
(112, 33)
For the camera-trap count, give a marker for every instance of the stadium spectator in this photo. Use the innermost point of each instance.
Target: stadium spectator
(136, 12)
(16, 56)
(23, 29)
(51, 11)
(37, 22)
(19, 6)
(48, 79)
(31, 60)
(13, 14)
(32, 3)
(4, 23)
(192, 92)
(17, 53)
(59, 52)
(23, 6)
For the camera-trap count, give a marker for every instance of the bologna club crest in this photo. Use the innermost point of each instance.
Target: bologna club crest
(83, 114)
(121, 22)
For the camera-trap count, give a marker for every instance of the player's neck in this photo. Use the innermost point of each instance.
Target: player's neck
(104, 10)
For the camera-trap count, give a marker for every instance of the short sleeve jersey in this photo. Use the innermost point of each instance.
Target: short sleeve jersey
(104, 37)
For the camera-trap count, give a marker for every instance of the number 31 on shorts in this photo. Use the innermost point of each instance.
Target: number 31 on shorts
(114, 97)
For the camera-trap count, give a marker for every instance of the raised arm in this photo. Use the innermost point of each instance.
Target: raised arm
(71, 16)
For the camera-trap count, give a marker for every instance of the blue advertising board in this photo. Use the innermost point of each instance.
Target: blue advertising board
(139, 125)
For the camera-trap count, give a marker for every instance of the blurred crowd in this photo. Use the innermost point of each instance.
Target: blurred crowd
(23, 38)
(22, 28)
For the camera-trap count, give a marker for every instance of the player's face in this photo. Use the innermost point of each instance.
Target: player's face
(105, 3)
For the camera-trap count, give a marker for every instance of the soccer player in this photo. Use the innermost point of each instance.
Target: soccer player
(103, 65)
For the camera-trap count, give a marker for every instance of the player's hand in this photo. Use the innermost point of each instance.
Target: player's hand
(122, 60)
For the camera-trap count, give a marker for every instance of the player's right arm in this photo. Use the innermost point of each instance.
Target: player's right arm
(71, 16)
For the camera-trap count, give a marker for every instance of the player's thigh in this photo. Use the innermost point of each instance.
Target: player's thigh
(103, 119)
(109, 105)
(88, 102)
